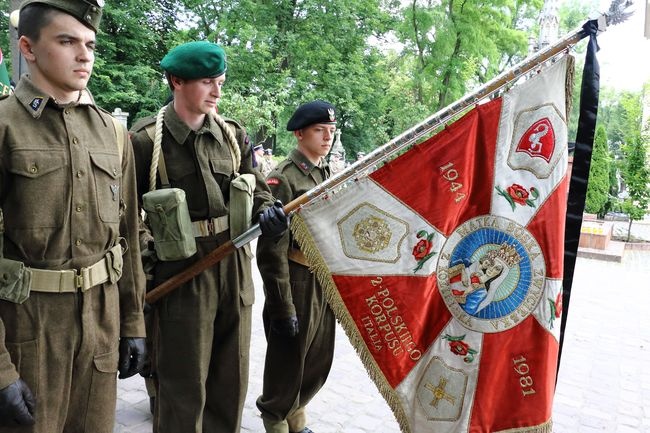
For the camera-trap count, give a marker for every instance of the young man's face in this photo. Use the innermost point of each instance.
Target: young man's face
(62, 59)
(199, 96)
(315, 141)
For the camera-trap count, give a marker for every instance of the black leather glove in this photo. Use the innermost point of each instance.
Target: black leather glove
(133, 353)
(273, 221)
(287, 327)
(17, 404)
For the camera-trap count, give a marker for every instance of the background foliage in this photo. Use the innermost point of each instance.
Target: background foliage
(385, 64)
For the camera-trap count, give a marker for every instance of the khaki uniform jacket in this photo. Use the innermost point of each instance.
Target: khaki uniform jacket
(289, 180)
(65, 196)
(200, 163)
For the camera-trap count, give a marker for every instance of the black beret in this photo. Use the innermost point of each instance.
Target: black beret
(312, 112)
(198, 59)
(89, 12)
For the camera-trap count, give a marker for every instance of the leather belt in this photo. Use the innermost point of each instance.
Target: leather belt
(70, 281)
(210, 227)
(295, 255)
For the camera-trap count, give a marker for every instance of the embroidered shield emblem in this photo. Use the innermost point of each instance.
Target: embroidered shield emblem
(369, 233)
(539, 140)
(441, 391)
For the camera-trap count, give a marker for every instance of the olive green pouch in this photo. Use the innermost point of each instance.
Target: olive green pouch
(171, 227)
(15, 281)
(241, 204)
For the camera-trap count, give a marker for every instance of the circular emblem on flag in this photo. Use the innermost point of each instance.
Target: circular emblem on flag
(491, 273)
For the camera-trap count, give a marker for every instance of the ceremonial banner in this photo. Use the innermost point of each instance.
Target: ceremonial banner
(5, 84)
(444, 266)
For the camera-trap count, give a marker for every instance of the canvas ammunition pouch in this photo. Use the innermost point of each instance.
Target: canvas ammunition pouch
(18, 280)
(167, 213)
(15, 280)
(171, 227)
(241, 203)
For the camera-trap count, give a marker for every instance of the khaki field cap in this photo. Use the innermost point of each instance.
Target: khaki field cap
(89, 12)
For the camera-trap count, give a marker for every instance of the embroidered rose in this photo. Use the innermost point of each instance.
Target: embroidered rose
(518, 193)
(558, 305)
(556, 309)
(459, 347)
(421, 249)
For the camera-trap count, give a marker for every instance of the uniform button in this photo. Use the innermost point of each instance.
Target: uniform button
(66, 111)
(80, 208)
(80, 173)
(77, 242)
(75, 141)
(33, 169)
(115, 172)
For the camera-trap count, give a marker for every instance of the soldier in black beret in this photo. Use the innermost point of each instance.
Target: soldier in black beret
(72, 288)
(204, 327)
(298, 321)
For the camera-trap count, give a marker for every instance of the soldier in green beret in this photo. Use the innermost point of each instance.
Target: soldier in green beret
(72, 291)
(203, 327)
(298, 321)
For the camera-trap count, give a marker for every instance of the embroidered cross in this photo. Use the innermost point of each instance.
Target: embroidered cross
(439, 393)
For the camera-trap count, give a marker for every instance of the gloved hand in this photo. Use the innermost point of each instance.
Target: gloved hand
(273, 221)
(133, 353)
(287, 327)
(17, 404)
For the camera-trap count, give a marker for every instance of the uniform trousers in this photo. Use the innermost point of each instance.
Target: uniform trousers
(296, 368)
(65, 347)
(203, 343)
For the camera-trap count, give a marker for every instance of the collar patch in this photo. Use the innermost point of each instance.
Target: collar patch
(36, 102)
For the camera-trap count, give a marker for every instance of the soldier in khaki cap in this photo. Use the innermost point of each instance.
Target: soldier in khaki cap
(298, 321)
(72, 294)
(203, 327)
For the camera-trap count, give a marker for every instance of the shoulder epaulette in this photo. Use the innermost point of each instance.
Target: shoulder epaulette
(143, 123)
(233, 122)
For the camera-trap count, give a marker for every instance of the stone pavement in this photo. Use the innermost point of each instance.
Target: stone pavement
(603, 386)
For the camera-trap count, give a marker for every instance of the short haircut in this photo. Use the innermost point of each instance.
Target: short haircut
(33, 18)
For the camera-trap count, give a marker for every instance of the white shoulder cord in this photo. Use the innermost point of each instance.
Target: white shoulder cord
(232, 141)
(157, 145)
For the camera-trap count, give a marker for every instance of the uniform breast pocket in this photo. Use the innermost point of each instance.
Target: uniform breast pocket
(108, 178)
(40, 187)
(221, 167)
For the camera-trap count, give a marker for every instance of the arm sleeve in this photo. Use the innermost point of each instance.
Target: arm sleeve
(131, 285)
(273, 262)
(8, 372)
(262, 197)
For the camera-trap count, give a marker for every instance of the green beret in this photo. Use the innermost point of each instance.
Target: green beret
(310, 113)
(199, 59)
(88, 12)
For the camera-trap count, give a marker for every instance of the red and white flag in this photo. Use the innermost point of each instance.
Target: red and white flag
(444, 266)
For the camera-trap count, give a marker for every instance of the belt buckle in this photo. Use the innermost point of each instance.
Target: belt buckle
(210, 226)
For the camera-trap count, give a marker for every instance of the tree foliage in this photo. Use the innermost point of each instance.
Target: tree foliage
(598, 187)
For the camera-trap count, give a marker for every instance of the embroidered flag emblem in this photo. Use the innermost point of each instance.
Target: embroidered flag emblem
(539, 140)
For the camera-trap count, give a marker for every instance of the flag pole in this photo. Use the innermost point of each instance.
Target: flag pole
(381, 153)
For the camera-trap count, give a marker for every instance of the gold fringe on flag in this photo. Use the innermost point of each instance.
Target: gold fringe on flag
(547, 427)
(318, 266)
